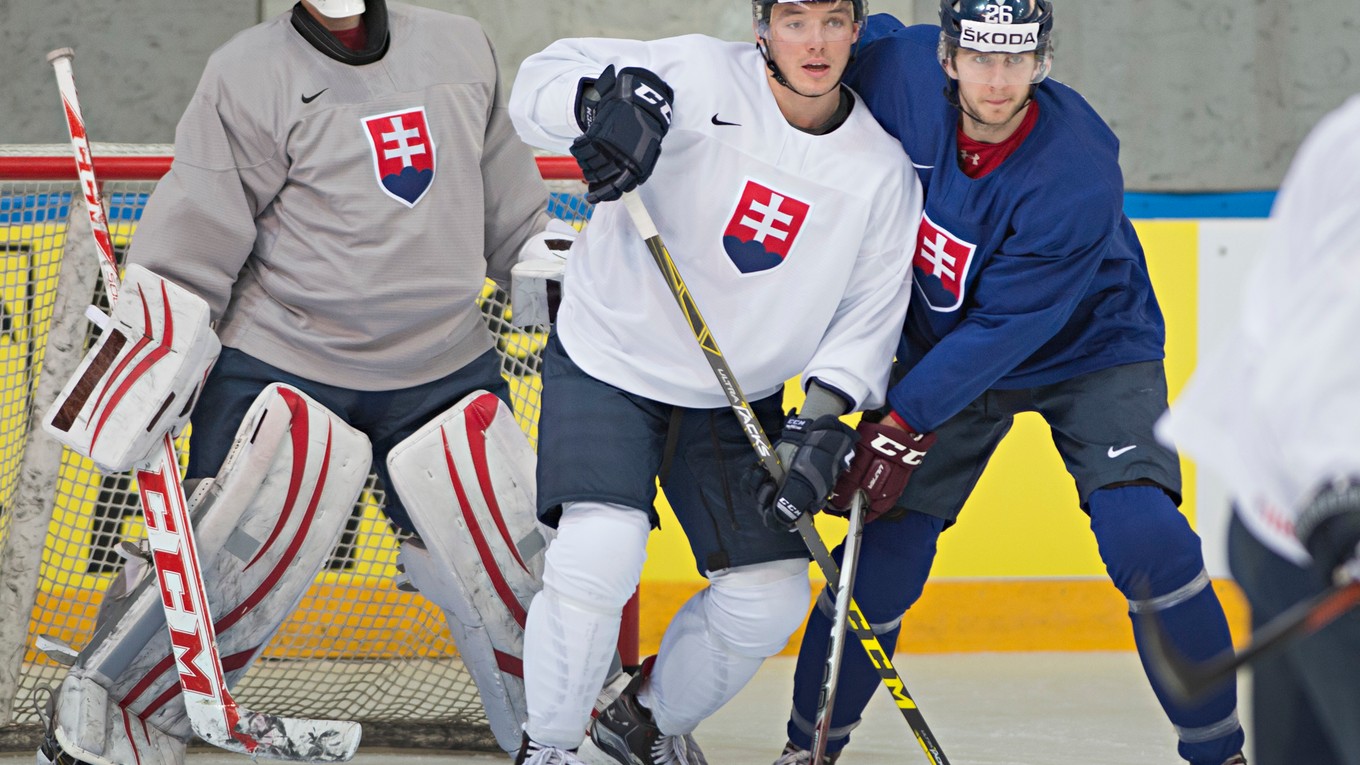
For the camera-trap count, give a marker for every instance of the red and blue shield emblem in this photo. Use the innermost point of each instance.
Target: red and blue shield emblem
(941, 266)
(403, 153)
(761, 232)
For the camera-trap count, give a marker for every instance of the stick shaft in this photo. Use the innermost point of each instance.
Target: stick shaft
(879, 657)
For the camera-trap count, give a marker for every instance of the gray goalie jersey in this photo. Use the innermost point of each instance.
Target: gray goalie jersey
(341, 217)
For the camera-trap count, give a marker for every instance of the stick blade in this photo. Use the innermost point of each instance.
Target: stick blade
(1186, 680)
(269, 737)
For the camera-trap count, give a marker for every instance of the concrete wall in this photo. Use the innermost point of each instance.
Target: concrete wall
(1206, 96)
(136, 63)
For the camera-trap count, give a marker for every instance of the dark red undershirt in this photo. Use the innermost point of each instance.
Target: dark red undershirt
(976, 158)
(354, 39)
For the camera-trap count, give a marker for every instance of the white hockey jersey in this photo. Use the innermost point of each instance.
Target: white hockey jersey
(796, 247)
(1276, 411)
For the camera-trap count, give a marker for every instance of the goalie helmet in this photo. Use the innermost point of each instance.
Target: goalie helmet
(338, 9)
(998, 26)
(761, 10)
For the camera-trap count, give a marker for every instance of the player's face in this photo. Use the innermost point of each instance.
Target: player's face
(993, 88)
(811, 42)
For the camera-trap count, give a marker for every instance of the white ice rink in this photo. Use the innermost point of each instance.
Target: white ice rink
(985, 709)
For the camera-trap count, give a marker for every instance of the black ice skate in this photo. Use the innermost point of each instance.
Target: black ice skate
(626, 732)
(533, 753)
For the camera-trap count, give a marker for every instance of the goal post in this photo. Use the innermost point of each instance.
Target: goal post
(356, 647)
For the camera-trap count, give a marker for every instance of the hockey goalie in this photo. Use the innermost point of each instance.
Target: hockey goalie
(303, 288)
(268, 519)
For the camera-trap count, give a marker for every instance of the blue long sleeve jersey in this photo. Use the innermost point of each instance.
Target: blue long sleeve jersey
(1025, 277)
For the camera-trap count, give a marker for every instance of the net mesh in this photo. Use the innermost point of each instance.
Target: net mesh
(356, 648)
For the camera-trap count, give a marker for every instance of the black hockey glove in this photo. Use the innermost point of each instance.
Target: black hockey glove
(884, 460)
(820, 451)
(624, 116)
(1330, 528)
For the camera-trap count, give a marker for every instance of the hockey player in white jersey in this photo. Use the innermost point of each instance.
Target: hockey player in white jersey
(345, 179)
(790, 215)
(1276, 413)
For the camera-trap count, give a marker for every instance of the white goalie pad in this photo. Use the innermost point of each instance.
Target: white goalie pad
(141, 378)
(265, 525)
(467, 481)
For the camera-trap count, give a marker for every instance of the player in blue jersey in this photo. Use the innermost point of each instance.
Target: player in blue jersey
(1031, 294)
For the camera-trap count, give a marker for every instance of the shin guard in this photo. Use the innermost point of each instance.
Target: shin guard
(467, 481)
(265, 525)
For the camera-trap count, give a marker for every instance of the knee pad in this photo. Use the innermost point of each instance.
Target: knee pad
(467, 481)
(596, 560)
(1148, 547)
(265, 525)
(754, 610)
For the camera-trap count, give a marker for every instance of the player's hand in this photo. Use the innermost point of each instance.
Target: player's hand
(624, 116)
(819, 451)
(1330, 528)
(883, 462)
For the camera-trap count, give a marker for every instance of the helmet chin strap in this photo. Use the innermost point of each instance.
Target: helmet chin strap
(951, 94)
(779, 76)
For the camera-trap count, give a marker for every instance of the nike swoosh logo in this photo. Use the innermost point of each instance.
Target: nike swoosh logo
(922, 167)
(309, 99)
(717, 121)
(1113, 452)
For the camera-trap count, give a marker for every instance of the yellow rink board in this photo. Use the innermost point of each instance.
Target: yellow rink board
(1019, 572)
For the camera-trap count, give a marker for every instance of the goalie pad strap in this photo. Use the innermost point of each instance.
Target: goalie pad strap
(265, 524)
(141, 379)
(467, 480)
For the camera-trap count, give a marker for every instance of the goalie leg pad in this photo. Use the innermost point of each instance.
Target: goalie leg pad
(467, 481)
(265, 526)
(141, 379)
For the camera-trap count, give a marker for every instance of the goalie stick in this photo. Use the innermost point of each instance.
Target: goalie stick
(1189, 680)
(826, 700)
(879, 657)
(213, 713)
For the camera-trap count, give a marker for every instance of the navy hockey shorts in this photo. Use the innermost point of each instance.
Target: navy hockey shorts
(1101, 422)
(386, 417)
(598, 443)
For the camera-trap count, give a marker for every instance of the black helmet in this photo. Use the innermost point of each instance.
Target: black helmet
(761, 10)
(998, 26)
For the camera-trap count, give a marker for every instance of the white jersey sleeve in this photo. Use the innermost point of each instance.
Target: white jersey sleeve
(1276, 410)
(796, 247)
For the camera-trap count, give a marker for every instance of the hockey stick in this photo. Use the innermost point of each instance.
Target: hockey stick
(879, 657)
(1189, 680)
(826, 700)
(213, 713)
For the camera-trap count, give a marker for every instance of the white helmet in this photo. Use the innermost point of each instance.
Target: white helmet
(338, 9)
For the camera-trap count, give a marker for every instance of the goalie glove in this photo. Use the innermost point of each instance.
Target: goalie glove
(1329, 528)
(624, 116)
(884, 459)
(814, 452)
(535, 281)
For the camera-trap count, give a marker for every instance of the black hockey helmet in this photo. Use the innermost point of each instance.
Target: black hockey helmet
(998, 26)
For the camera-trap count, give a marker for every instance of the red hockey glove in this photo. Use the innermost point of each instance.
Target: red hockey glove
(884, 460)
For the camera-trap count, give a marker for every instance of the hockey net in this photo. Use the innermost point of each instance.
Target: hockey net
(356, 648)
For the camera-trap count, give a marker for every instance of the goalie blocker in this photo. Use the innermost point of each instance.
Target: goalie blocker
(266, 524)
(141, 379)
